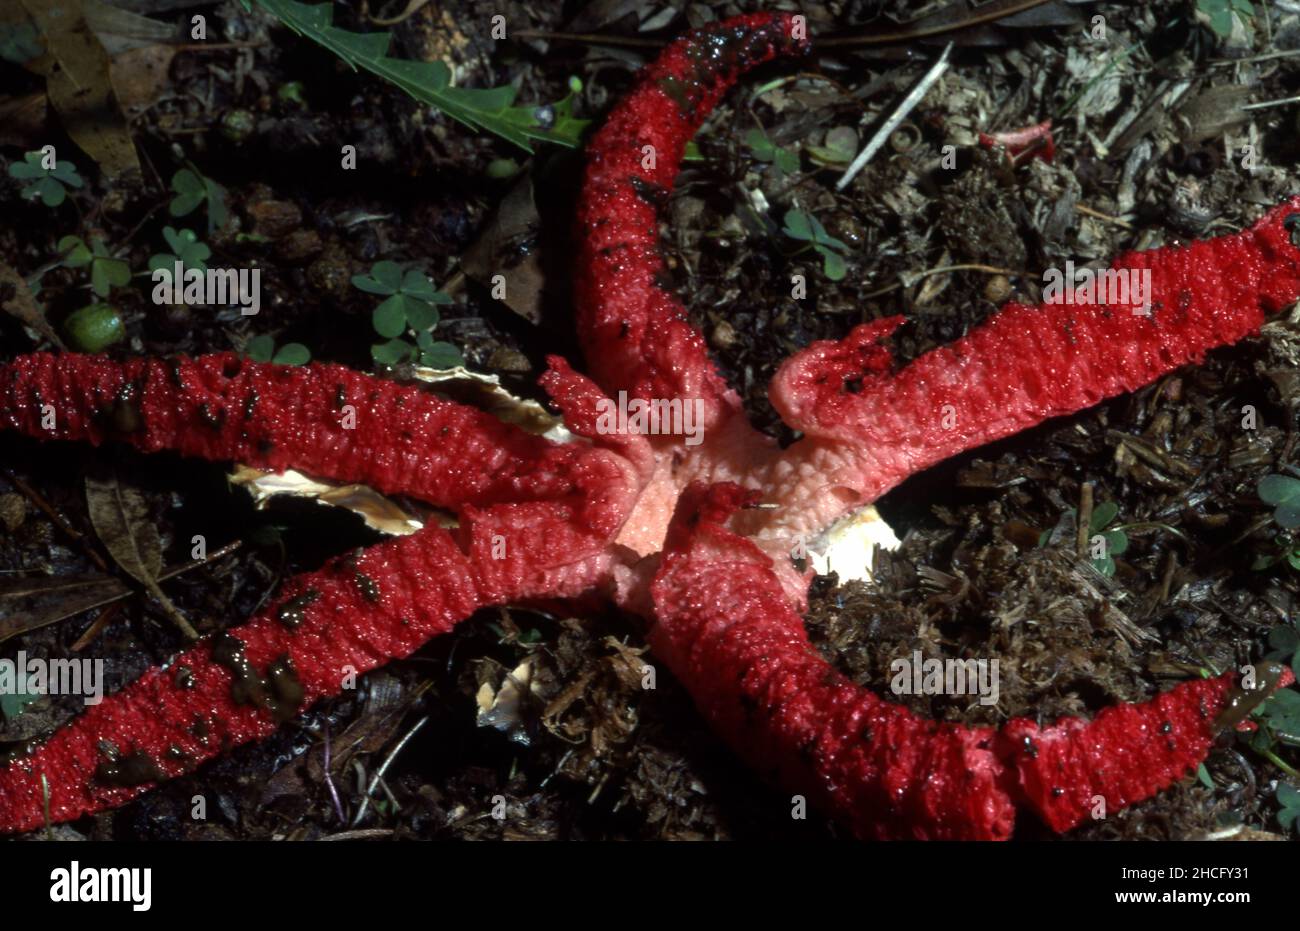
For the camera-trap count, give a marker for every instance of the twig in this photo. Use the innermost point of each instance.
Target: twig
(48, 510)
(383, 768)
(904, 110)
(1085, 517)
(329, 780)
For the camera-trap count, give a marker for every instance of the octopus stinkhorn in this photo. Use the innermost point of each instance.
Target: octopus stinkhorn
(651, 521)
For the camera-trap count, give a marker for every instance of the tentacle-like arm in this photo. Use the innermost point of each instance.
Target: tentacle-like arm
(326, 627)
(724, 627)
(324, 419)
(1027, 364)
(634, 330)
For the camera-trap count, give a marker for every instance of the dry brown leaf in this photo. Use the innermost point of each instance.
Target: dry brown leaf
(76, 70)
(16, 299)
(120, 516)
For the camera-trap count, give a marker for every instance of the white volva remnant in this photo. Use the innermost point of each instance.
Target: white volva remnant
(214, 287)
(847, 546)
(103, 884)
(25, 675)
(652, 416)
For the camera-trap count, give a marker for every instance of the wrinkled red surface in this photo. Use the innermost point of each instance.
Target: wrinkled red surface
(725, 616)
(1027, 364)
(634, 333)
(743, 653)
(363, 609)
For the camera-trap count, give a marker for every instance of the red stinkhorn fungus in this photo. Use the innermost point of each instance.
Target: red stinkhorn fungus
(595, 516)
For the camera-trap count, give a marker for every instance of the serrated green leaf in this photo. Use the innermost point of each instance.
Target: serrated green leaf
(491, 109)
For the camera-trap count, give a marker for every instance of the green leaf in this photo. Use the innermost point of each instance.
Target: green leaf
(190, 192)
(797, 225)
(420, 314)
(49, 191)
(416, 283)
(787, 161)
(1284, 638)
(392, 352)
(1105, 565)
(12, 704)
(442, 356)
(388, 274)
(260, 348)
(1116, 542)
(107, 274)
(761, 146)
(66, 172)
(1203, 776)
(491, 109)
(389, 318)
(75, 252)
(832, 263)
(824, 238)
(1283, 492)
(1102, 515)
(1288, 795)
(292, 354)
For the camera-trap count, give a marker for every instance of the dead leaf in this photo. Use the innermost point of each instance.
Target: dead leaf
(508, 247)
(76, 70)
(17, 300)
(140, 76)
(26, 604)
(38, 601)
(120, 516)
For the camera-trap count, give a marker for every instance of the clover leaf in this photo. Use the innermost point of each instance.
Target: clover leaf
(805, 227)
(186, 248)
(49, 184)
(192, 189)
(261, 348)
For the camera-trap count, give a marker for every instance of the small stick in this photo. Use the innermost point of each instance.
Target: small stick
(383, 768)
(904, 110)
(1085, 517)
